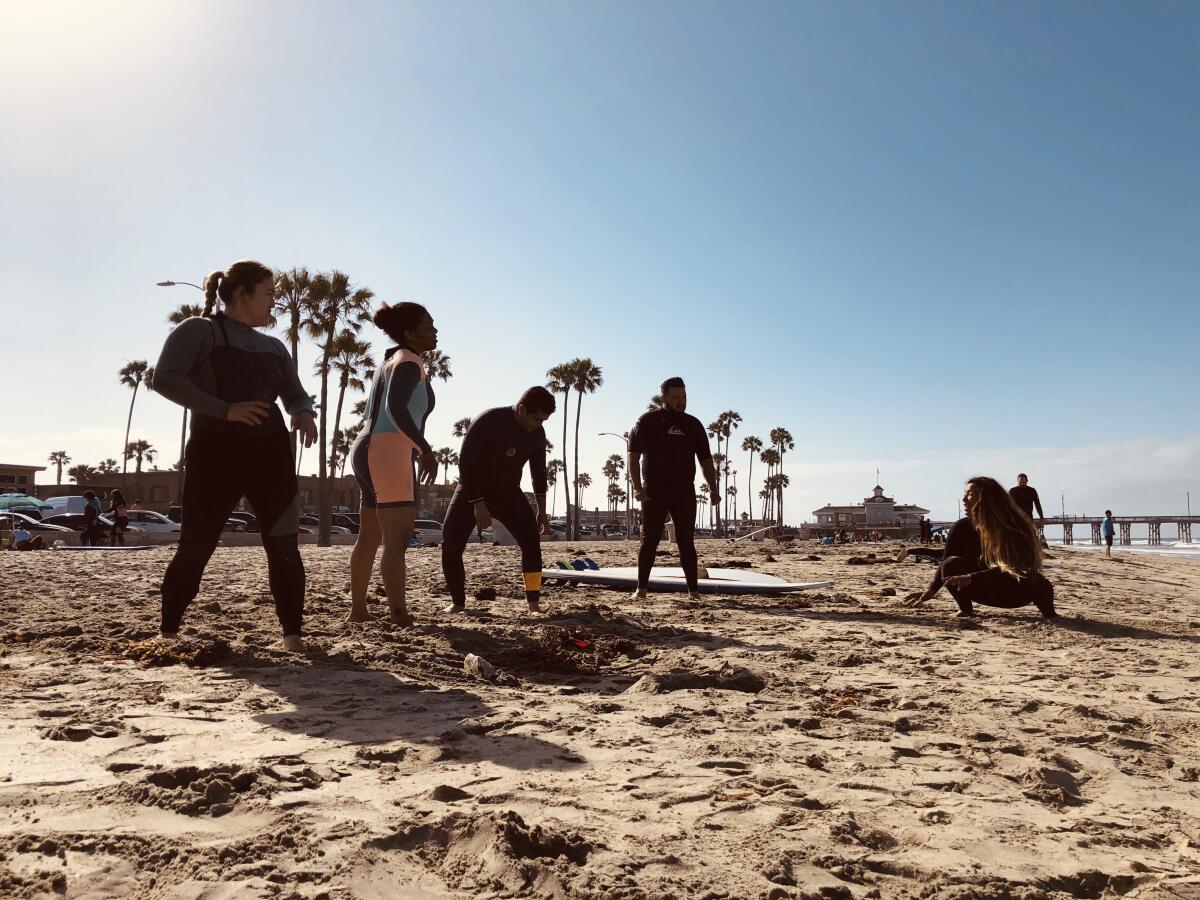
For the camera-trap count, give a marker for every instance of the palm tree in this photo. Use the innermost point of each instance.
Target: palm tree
(292, 297)
(133, 375)
(460, 427)
(108, 467)
(781, 439)
(616, 496)
(350, 357)
(553, 467)
(139, 450)
(558, 381)
(704, 499)
(731, 491)
(722, 428)
(655, 403)
(333, 303)
(587, 380)
(583, 481)
(437, 365)
(447, 458)
(348, 440)
(58, 459)
(751, 445)
(770, 457)
(82, 473)
(300, 448)
(177, 317)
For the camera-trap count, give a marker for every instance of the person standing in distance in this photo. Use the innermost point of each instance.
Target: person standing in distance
(669, 441)
(1106, 531)
(494, 452)
(1026, 497)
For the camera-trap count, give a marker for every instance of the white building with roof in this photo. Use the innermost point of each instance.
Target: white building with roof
(877, 509)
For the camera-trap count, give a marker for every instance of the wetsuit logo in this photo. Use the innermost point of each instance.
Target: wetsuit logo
(512, 451)
(676, 430)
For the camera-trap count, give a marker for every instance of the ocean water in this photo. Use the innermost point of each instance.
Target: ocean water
(1177, 549)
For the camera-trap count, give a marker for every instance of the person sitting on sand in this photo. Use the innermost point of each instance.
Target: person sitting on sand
(391, 458)
(23, 539)
(993, 555)
(493, 456)
(229, 375)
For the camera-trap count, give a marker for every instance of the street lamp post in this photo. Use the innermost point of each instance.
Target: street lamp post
(173, 283)
(627, 486)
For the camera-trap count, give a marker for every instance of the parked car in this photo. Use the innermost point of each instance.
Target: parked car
(249, 519)
(152, 522)
(346, 521)
(427, 532)
(65, 505)
(314, 523)
(236, 525)
(10, 519)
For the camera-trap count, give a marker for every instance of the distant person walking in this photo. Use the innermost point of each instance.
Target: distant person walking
(90, 537)
(993, 556)
(391, 458)
(663, 448)
(229, 375)
(1106, 531)
(120, 516)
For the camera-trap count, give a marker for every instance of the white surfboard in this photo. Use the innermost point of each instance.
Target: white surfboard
(719, 581)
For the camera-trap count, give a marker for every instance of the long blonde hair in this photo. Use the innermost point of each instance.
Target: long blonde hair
(1008, 536)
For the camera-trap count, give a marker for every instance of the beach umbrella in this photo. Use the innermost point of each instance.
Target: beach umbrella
(16, 501)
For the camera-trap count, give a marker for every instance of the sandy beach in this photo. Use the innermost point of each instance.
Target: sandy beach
(830, 744)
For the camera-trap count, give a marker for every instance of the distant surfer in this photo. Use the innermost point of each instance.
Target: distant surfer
(663, 448)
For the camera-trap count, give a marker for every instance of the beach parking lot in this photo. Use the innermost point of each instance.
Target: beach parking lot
(829, 744)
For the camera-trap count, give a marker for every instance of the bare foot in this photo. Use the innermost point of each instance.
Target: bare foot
(534, 607)
(400, 617)
(359, 615)
(293, 643)
(454, 608)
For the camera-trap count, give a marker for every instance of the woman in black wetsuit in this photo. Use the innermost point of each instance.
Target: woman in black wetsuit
(993, 556)
(229, 375)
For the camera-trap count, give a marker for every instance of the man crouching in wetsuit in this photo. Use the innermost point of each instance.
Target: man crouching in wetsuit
(493, 455)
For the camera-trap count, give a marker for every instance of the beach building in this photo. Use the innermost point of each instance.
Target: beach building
(877, 509)
(16, 479)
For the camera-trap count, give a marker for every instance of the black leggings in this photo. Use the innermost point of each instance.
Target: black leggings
(514, 511)
(221, 469)
(682, 508)
(995, 587)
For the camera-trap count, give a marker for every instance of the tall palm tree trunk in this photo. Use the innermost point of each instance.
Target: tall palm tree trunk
(128, 426)
(578, 408)
(296, 362)
(750, 487)
(323, 492)
(566, 474)
(781, 484)
(337, 420)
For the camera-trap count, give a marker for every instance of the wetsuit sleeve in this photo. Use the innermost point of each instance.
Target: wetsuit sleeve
(185, 348)
(295, 398)
(537, 465)
(472, 463)
(702, 451)
(404, 381)
(1037, 501)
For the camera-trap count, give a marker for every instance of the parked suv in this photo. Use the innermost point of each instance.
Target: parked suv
(427, 532)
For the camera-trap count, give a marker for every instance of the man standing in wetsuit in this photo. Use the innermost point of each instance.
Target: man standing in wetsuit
(1026, 496)
(493, 456)
(669, 441)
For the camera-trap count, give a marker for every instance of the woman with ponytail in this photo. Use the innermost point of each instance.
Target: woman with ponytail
(229, 375)
(993, 555)
(386, 457)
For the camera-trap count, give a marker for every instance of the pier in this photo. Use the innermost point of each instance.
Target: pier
(1124, 527)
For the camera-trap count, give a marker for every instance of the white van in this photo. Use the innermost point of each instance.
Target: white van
(70, 505)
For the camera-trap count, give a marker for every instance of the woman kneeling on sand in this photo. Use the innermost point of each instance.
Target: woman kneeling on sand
(993, 556)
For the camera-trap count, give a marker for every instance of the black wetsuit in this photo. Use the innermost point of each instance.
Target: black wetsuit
(207, 365)
(493, 456)
(669, 443)
(989, 586)
(1027, 498)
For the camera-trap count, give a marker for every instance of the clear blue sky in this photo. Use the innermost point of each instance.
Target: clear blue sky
(939, 238)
